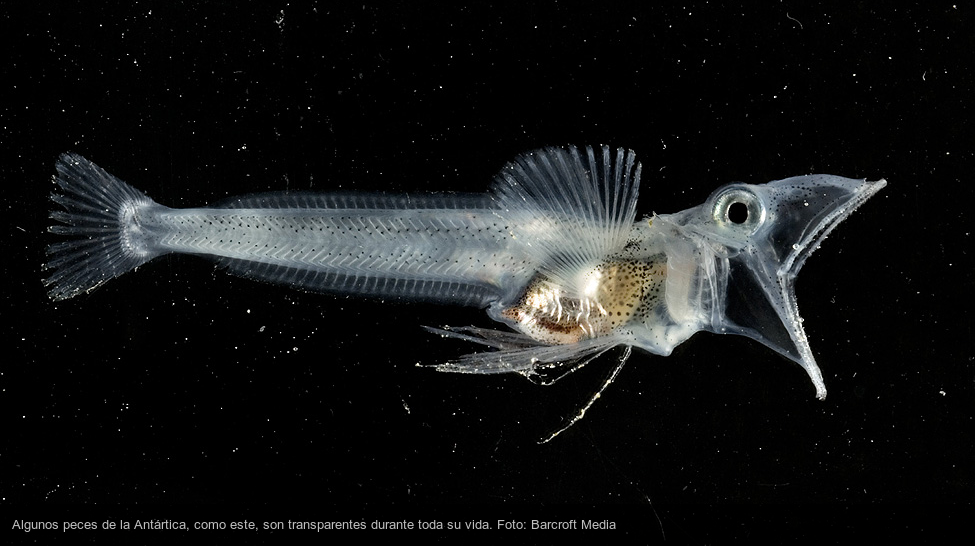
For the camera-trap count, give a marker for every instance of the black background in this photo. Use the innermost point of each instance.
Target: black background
(179, 384)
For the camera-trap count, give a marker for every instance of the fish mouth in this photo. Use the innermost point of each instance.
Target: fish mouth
(761, 302)
(828, 218)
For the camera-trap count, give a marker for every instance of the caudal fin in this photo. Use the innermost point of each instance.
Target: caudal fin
(98, 218)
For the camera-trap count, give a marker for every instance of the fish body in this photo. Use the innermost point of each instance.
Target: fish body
(554, 251)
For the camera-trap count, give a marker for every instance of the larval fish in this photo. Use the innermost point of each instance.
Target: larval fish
(554, 252)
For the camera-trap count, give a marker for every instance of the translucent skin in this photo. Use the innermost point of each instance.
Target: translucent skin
(554, 251)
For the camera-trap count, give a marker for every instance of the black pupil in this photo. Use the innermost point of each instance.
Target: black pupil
(738, 213)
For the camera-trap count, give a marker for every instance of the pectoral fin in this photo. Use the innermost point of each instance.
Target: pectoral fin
(583, 202)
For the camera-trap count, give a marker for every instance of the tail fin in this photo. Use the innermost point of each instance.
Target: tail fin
(99, 217)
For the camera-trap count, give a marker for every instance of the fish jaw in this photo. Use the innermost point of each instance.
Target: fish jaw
(749, 256)
(801, 211)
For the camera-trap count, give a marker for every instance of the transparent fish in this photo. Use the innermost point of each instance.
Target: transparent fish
(554, 252)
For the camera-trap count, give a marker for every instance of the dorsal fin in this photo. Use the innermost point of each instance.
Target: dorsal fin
(588, 198)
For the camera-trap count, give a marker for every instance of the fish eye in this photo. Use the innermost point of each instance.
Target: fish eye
(739, 209)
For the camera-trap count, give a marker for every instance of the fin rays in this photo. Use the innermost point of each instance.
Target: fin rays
(590, 195)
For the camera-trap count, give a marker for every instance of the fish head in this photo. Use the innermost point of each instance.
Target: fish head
(757, 237)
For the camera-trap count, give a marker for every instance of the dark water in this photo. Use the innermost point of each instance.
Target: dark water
(180, 385)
